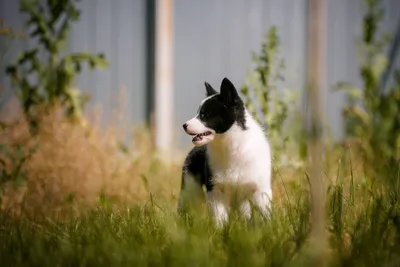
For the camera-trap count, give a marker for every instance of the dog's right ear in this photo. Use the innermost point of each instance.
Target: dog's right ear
(209, 90)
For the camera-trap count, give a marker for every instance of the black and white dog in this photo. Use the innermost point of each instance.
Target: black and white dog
(231, 154)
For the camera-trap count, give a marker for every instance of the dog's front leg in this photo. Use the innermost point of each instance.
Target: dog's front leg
(218, 209)
(191, 195)
(245, 209)
(262, 201)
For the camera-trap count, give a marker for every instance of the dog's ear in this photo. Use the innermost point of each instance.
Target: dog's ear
(209, 90)
(229, 93)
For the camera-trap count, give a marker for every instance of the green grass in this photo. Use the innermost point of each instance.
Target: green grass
(144, 236)
(363, 232)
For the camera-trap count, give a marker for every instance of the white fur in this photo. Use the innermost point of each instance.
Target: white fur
(238, 159)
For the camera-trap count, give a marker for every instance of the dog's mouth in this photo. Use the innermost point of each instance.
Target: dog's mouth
(199, 137)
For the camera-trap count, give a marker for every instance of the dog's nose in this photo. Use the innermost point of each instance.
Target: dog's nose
(185, 126)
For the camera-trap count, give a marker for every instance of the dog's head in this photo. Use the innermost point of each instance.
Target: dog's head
(216, 114)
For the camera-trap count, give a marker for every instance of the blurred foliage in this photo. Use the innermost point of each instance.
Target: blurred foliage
(372, 116)
(268, 103)
(12, 160)
(7, 34)
(44, 75)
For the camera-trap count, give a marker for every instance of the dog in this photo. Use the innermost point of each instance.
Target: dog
(231, 156)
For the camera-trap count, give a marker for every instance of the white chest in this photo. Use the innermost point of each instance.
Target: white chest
(240, 157)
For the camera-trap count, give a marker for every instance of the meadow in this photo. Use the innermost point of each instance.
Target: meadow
(74, 197)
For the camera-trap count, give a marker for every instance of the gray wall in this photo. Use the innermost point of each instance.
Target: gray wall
(344, 26)
(212, 39)
(115, 28)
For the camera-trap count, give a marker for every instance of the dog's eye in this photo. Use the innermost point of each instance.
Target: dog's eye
(202, 115)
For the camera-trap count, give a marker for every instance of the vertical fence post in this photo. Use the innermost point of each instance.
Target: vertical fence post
(316, 76)
(163, 117)
(150, 27)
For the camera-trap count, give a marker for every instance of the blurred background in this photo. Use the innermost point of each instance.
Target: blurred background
(209, 39)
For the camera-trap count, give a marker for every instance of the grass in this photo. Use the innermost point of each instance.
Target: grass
(73, 197)
(152, 235)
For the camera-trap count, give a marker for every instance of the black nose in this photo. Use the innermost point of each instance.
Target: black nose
(185, 126)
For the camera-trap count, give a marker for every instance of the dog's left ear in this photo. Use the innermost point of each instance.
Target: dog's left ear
(209, 90)
(228, 92)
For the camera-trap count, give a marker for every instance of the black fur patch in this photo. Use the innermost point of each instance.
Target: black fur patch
(222, 110)
(196, 164)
